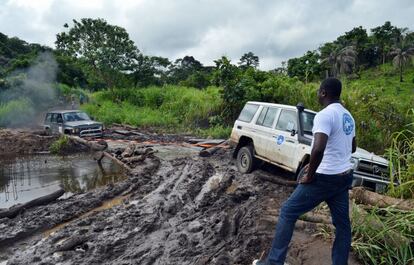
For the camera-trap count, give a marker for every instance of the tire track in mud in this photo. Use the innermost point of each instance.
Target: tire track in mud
(191, 211)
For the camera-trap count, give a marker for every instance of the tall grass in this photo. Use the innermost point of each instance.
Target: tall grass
(173, 108)
(383, 236)
(401, 156)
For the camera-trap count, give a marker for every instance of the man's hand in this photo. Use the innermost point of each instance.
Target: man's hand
(305, 177)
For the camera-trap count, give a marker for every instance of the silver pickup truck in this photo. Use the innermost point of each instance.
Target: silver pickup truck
(73, 122)
(282, 135)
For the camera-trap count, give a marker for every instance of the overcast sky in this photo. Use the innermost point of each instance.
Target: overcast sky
(207, 29)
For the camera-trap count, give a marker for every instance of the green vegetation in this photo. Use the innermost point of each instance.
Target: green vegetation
(98, 62)
(15, 112)
(171, 108)
(383, 236)
(60, 145)
(401, 156)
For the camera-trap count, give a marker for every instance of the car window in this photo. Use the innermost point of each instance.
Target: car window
(267, 116)
(262, 115)
(76, 116)
(54, 117)
(48, 117)
(270, 117)
(248, 112)
(287, 121)
(307, 120)
(59, 118)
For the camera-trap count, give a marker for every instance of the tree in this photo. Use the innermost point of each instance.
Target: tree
(183, 68)
(341, 60)
(105, 48)
(150, 70)
(306, 68)
(384, 37)
(402, 52)
(249, 60)
(228, 76)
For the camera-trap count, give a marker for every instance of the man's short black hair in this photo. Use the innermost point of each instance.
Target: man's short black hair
(332, 86)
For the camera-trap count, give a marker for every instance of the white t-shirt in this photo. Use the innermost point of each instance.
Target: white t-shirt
(339, 125)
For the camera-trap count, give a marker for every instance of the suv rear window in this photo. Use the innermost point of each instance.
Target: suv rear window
(248, 112)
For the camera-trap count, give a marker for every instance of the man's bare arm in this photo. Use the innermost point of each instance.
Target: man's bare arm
(319, 145)
(354, 145)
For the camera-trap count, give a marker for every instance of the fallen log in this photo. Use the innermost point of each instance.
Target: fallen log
(316, 218)
(134, 159)
(277, 180)
(362, 196)
(304, 225)
(209, 151)
(95, 146)
(119, 162)
(129, 150)
(71, 243)
(15, 210)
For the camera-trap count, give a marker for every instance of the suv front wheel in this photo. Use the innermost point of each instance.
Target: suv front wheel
(246, 159)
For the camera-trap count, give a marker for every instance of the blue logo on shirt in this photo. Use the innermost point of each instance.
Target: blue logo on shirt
(347, 124)
(280, 139)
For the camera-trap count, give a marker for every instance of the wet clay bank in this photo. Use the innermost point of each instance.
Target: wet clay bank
(185, 210)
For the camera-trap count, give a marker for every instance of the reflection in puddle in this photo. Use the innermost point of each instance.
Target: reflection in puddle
(25, 178)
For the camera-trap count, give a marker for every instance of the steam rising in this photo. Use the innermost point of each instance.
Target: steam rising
(29, 92)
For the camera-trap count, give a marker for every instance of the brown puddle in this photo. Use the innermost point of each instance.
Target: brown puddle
(106, 205)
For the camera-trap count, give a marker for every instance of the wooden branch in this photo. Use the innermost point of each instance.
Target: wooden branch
(95, 146)
(316, 218)
(15, 210)
(277, 180)
(209, 151)
(362, 196)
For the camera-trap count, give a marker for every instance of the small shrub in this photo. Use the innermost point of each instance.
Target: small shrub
(60, 145)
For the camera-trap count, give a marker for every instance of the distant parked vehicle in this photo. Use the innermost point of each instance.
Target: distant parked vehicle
(74, 122)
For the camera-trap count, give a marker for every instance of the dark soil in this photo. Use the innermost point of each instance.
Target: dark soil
(188, 210)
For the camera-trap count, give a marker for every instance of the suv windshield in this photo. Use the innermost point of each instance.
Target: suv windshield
(76, 116)
(307, 122)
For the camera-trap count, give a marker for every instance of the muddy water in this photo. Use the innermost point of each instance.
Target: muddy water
(25, 178)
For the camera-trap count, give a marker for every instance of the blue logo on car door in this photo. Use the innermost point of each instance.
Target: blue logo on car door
(280, 139)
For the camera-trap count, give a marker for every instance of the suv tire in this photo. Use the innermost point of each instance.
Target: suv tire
(246, 159)
(301, 172)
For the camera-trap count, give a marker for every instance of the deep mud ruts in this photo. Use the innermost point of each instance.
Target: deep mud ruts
(189, 210)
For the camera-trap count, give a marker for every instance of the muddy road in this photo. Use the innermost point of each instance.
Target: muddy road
(175, 207)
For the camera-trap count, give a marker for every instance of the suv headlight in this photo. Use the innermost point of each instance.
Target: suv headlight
(76, 130)
(354, 162)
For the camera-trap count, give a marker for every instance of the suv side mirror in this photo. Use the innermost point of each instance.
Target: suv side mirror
(293, 133)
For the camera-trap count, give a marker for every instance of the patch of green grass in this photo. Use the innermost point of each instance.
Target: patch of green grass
(383, 236)
(217, 132)
(60, 145)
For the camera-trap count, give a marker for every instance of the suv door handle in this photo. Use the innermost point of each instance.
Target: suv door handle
(239, 127)
(290, 141)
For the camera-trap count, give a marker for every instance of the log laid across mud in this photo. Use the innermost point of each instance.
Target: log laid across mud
(363, 196)
(15, 210)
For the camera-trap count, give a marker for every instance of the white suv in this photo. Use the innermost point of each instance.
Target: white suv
(282, 135)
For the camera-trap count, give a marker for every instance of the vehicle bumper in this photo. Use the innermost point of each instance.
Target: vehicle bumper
(91, 133)
(361, 178)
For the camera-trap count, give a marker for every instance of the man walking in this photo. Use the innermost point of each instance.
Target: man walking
(327, 178)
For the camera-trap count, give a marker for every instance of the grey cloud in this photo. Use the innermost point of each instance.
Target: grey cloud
(208, 29)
